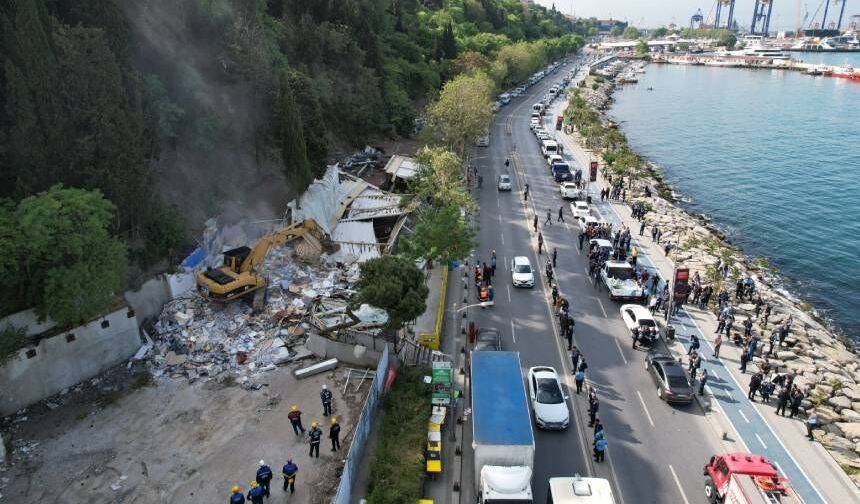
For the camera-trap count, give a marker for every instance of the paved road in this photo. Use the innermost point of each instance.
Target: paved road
(656, 451)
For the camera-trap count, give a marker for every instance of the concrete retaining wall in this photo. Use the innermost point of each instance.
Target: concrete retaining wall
(356, 355)
(148, 301)
(62, 361)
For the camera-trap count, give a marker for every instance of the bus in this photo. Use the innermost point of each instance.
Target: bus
(579, 490)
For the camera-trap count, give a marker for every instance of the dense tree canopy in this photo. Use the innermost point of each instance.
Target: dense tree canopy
(440, 235)
(394, 284)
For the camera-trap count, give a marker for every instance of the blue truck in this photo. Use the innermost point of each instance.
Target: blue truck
(502, 438)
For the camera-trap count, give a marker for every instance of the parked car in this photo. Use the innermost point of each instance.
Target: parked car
(534, 123)
(483, 141)
(522, 274)
(488, 338)
(548, 401)
(636, 316)
(555, 158)
(542, 135)
(579, 208)
(673, 386)
(504, 182)
(569, 190)
(603, 246)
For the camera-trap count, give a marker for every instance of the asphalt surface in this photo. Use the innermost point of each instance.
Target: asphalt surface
(656, 451)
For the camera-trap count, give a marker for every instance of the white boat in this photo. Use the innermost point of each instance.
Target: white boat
(722, 62)
(754, 45)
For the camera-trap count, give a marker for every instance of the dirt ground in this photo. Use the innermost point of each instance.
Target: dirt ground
(123, 439)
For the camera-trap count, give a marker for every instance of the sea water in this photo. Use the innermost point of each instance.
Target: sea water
(772, 157)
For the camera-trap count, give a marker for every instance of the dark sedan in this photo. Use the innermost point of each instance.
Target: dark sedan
(488, 338)
(673, 386)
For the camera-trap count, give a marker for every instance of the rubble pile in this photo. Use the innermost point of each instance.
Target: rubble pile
(197, 339)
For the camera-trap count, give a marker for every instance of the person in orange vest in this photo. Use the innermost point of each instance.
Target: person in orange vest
(295, 417)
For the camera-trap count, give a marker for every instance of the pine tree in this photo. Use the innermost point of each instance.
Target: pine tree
(448, 44)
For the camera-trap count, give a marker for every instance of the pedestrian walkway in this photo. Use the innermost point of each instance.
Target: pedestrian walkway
(808, 466)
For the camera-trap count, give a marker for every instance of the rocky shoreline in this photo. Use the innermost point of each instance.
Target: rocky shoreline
(826, 366)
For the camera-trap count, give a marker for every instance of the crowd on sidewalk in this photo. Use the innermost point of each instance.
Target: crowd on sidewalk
(260, 486)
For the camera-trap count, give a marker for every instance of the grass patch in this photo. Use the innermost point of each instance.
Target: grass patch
(12, 339)
(850, 470)
(397, 471)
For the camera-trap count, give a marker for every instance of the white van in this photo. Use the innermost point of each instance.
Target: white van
(549, 147)
(505, 98)
(538, 107)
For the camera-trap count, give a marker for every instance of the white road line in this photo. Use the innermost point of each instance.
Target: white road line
(508, 287)
(601, 308)
(678, 483)
(513, 331)
(647, 413)
(761, 441)
(742, 414)
(503, 238)
(618, 345)
(500, 217)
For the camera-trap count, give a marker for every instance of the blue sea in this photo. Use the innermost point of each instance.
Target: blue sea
(772, 157)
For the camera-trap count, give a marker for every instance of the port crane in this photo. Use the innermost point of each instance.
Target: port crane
(761, 17)
(730, 5)
(841, 13)
(696, 20)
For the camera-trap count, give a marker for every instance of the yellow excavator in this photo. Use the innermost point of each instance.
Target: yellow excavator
(240, 275)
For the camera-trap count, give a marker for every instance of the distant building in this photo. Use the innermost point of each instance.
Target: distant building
(604, 26)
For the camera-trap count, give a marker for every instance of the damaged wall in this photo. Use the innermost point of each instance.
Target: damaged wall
(67, 359)
(148, 301)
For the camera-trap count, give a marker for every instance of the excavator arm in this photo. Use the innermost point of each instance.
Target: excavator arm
(261, 249)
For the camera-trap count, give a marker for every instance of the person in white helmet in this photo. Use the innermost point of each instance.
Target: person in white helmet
(326, 398)
(264, 477)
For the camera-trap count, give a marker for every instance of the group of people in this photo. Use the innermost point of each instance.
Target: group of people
(579, 365)
(260, 487)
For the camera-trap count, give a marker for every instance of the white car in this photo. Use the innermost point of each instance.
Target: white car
(635, 316)
(553, 159)
(522, 273)
(504, 183)
(483, 141)
(540, 129)
(579, 209)
(620, 279)
(587, 221)
(548, 401)
(535, 123)
(604, 247)
(542, 135)
(570, 191)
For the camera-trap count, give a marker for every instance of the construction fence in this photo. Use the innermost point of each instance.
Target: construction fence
(362, 432)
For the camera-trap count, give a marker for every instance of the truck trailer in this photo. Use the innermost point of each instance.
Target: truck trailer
(502, 438)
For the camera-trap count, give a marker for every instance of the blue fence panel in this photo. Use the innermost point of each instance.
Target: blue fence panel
(362, 431)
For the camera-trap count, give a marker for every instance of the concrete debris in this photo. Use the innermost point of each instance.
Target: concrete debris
(321, 367)
(196, 339)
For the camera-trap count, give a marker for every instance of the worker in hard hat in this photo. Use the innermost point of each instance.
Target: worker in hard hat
(255, 494)
(295, 417)
(236, 496)
(315, 435)
(290, 471)
(334, 434)
(264, 477)
(326, 398)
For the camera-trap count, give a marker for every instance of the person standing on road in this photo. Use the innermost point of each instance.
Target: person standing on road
(581, 239)
(290, 471)
(236, 496)
(334, 434)
(579, 378)
(264, 477)
(695, 364)
(748, 323)
(561, 214)
(641, 228)
(598, 427)
(535, 223)
(755, 383)
(548, 221)
(594, 405)
(314, 437)
(600, 449)
(574, 358)
(744, 361)
(526, 194)
(295, 417)
(718, 342)
(694, 344)
(554, 294)
(703, 381)
(540, 243)
(326, 398)
(583, 366)
(554, 257)
(493, 264)
(570, 325)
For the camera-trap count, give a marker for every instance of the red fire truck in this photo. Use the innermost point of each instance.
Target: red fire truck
(744, 478)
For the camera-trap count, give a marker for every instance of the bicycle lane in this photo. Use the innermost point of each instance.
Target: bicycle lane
(754, 431)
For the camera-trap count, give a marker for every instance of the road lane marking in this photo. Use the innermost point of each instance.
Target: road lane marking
(513, 331)
(503, 238)
(742, 414)
(618, 345)
(508, 287)
(647, 413)
(760, 441)
(601, 308)
(678, 483)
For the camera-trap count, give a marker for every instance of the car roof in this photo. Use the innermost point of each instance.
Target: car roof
(568, 184)
(543, 372)
(521, 260)
(505, 175)
(602, 243)
(639, 310)
(619, 264)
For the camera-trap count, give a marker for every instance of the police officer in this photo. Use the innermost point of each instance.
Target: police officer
(314, 435)
(290, 470)
(255, 494)
(236, 496)
(334, 434)
(326, 398)
(264, 477)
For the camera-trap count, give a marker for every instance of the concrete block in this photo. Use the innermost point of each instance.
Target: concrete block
(326, 365)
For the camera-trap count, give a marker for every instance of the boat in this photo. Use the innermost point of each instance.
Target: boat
(846, 72)
(722, 62)
(819, 70)
(842, 43)
(755, 46)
